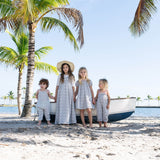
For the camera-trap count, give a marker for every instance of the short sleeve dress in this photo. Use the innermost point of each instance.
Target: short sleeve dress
(65, 110)
(84, 97)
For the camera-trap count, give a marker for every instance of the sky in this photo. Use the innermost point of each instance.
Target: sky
(130, 64)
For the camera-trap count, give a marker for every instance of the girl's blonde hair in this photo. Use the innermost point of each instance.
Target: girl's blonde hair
(79, 76)
(105, 82)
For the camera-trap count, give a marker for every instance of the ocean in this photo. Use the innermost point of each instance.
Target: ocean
(144, 112)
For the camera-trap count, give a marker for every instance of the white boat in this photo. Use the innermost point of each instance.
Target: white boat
(120, 108)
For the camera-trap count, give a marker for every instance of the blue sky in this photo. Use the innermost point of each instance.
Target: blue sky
(130, 64)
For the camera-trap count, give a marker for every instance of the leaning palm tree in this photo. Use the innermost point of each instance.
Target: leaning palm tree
(31, 13)
(144, 12)
(18, 59)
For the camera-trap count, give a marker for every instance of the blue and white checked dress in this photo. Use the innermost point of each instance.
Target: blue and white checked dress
(65, 111)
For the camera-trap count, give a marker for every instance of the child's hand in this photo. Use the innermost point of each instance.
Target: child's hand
(93, 101)
(107, 107)
(74, 98)
(55, 99)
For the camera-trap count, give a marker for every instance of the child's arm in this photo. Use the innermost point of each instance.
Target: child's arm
(96, 95)
(109, 99)
(50, 96)
(92, 93)
(37, 94)
(56, 93)
(74, 97)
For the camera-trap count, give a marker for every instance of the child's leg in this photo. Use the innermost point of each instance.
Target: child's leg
(105, 115)
(40, 115)
(89, 110)
(100, 124)
(82, 117)
(47, 115)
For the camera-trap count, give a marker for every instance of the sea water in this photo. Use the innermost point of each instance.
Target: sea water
(145, 112)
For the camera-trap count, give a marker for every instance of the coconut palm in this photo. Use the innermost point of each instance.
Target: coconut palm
(158, 99)
(149, 98)
(5, 98)
(18, 59)
(144, 12)
(138, 98)
(31, 13)
(11, 96)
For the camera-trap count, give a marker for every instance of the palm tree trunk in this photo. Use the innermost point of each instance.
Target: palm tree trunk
(19, 91)
(30, 72)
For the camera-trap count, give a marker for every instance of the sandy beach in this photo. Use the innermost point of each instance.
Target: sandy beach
(136, 138)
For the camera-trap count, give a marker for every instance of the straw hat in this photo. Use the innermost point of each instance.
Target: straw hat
(59, 64)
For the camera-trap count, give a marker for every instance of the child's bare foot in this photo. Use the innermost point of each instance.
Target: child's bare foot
(90, 126)
(85, 126)
(49, 123)
(39, 123)
(105, 124)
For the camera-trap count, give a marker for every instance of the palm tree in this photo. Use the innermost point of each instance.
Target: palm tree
(11, 96)
(149, 98)
(5, 98)
(31, 13)
(144, 12)
(18, 59)
(158, 99)
(138, 98)
(128, 96)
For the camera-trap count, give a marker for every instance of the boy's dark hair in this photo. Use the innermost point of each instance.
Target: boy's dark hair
(45, 81)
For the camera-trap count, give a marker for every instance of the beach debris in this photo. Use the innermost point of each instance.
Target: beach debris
(4, 144)
(110, 154)
(94, 138)
(47, 142)
(88, 155)
(76, 156)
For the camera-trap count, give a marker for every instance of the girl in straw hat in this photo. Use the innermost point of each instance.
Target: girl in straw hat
(65, 111)
(85, 95)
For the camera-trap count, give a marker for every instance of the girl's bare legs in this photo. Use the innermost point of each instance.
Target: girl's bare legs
(48, 122)
(39, 123)
(90, 117)
(82, 117)
(105, 124)
(100, 124)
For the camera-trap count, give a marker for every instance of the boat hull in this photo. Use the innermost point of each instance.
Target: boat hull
(120, 108)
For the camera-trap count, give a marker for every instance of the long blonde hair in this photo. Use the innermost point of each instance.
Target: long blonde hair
(79, 76)
(105, 82)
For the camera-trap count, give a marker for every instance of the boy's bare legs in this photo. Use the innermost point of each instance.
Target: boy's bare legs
(90, 117)
(82, 117)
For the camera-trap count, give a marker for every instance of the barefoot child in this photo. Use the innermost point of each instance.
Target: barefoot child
(103, 102)
(85, 95)
(65, 111)
(43, 103)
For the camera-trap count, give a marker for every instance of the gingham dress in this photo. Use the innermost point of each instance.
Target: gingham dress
(65, 111)
(84, 97)
(102, 111)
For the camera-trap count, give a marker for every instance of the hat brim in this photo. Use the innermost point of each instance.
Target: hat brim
(59, 64)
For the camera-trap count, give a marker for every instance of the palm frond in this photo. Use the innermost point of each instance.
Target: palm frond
(75, 17)
(142, 17)
(44, 5)
(8, 54)
(42, 52)
(42, 66)
(48, 23)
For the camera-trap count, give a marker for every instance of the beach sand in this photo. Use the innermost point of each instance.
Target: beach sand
(136, 138)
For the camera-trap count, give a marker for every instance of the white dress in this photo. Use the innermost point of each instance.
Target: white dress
(43, 105)
(65, 111)
(84, 97)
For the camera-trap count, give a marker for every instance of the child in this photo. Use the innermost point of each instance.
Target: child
(85, 95)
(103, 102)
(65, 111)
(43, 103)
